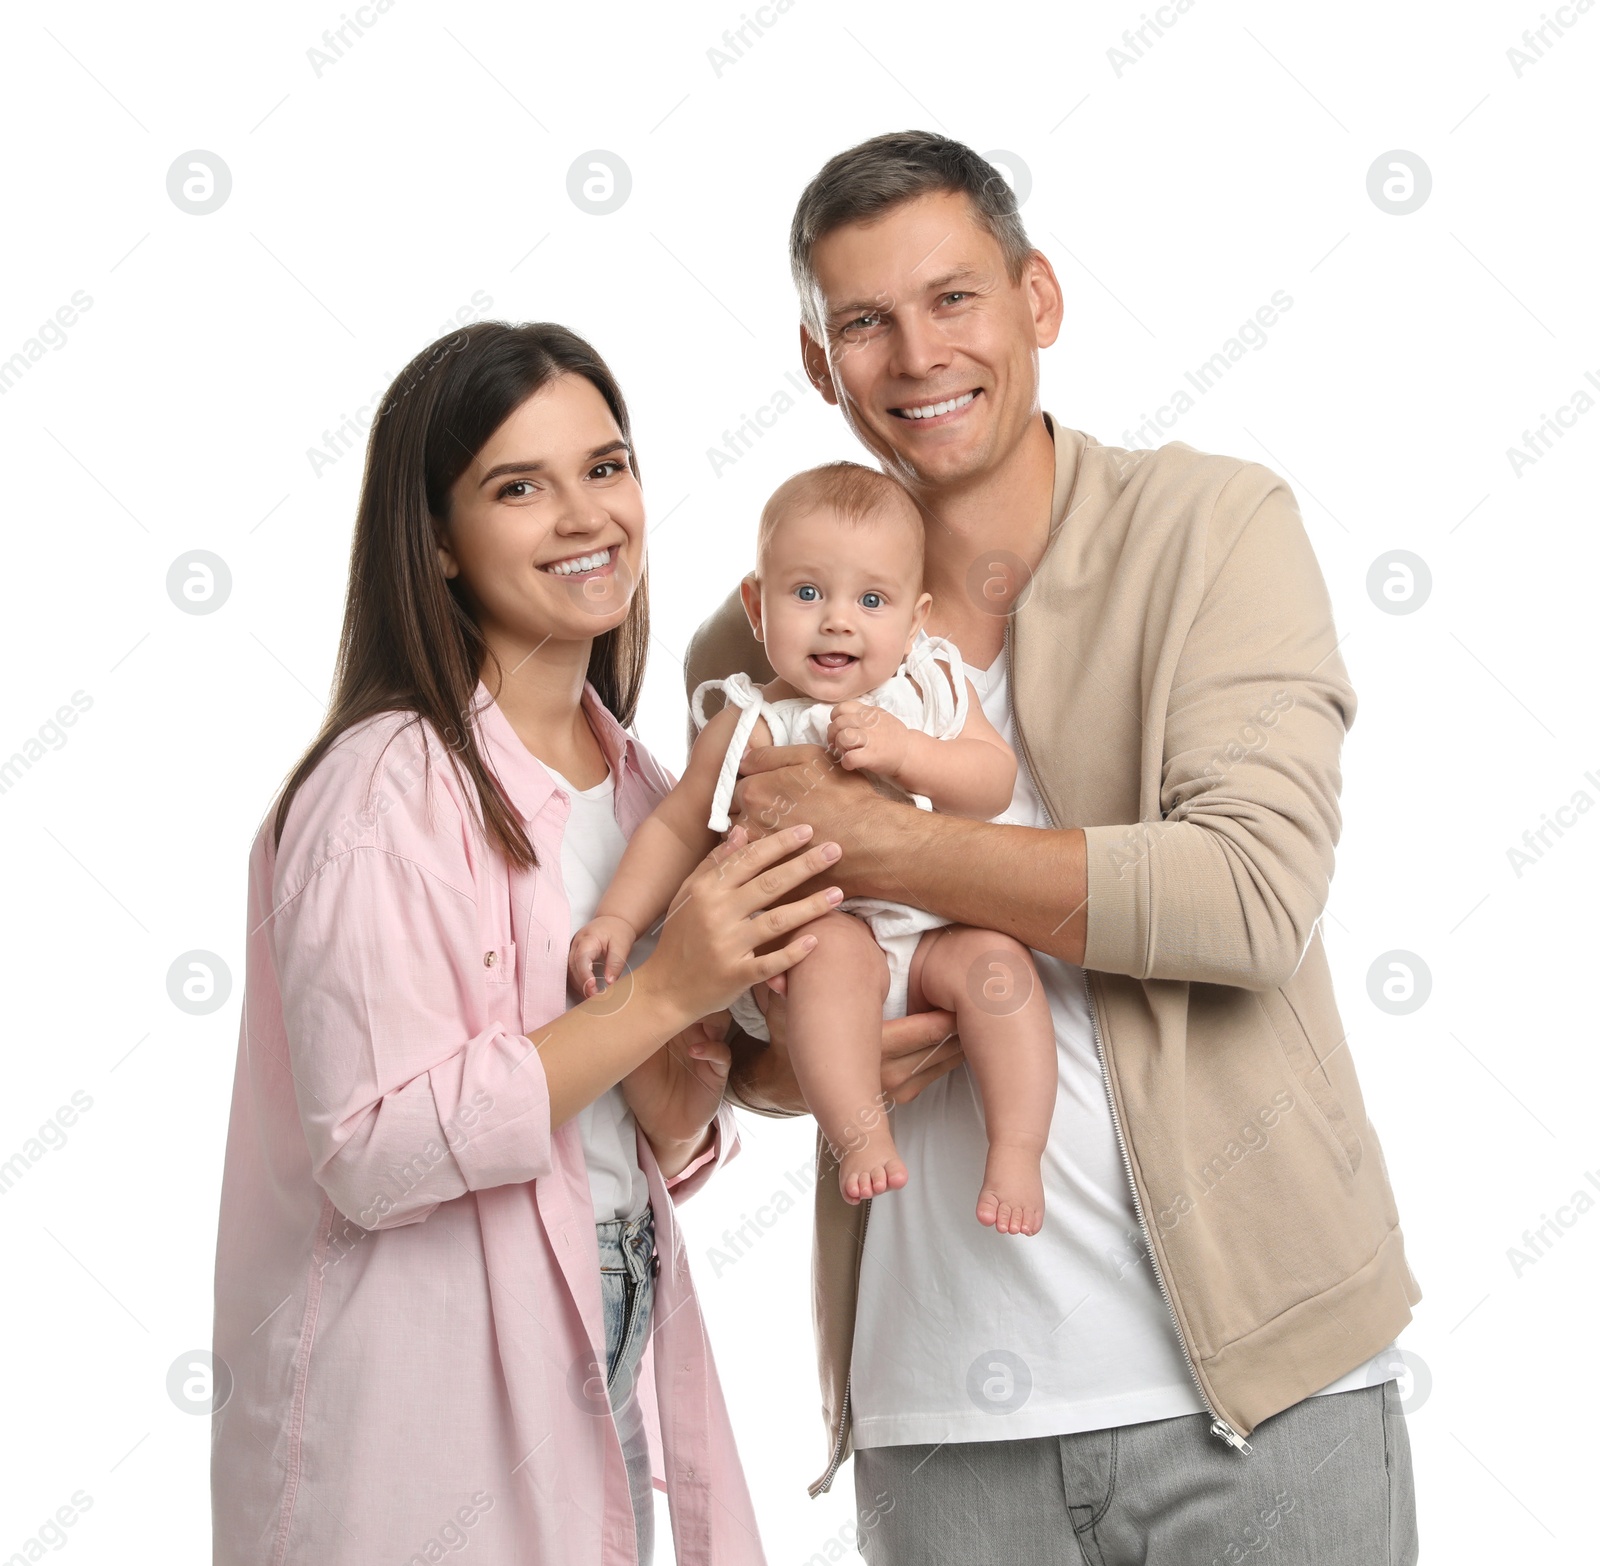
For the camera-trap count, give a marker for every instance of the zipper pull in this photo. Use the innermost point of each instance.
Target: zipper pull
(1225, 1432)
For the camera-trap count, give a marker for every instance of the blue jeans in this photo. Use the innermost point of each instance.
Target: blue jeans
(627, 1297)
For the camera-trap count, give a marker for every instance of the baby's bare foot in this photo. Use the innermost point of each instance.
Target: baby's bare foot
(1012, 1198)
(871, 1167)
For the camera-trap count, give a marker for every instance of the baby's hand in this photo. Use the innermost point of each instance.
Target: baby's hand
(606, 939)
(866, 736)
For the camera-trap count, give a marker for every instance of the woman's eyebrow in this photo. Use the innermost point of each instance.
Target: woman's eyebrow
(500, 470)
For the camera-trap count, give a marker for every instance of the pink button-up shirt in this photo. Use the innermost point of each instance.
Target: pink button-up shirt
(407, 1282)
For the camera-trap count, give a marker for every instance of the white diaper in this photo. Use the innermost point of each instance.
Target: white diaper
(938, 708)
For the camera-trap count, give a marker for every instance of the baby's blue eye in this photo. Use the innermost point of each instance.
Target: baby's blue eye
(872, 600)
(807, 594)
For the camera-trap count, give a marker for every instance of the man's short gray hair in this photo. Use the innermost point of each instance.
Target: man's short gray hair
(867, 180)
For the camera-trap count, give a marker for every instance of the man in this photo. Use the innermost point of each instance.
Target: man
(1191, 1358)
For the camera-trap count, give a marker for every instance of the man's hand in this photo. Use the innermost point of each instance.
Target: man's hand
(864, 736)
(917, 1050)
(785, 785)
(1023, 881)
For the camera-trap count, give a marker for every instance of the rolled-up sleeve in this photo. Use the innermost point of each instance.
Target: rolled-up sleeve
(1228, 886)
(724, 1145)
(409, 1093)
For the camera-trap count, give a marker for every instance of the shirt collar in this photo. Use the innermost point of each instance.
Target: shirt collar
(526, 779)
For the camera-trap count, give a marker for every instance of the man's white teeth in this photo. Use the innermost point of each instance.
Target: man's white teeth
(934, 409)
(582, 563)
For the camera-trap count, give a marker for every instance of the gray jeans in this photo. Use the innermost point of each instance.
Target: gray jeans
(627, 1298)
(1327, 1481)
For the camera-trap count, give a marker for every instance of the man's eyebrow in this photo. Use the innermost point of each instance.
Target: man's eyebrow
(855, 307)
(500, 470)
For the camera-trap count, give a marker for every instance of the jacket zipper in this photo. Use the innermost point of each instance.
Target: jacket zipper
(1219, 1426)
(837, 1455)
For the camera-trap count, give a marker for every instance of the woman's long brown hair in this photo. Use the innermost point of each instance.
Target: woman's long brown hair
(408, 642)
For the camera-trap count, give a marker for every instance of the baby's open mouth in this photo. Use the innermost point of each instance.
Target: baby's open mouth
(831, 662)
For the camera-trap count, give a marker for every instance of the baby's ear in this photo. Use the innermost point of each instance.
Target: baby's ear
(919, 617)
(750, 597)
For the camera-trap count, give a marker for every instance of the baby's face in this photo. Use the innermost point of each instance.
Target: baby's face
(839, 602)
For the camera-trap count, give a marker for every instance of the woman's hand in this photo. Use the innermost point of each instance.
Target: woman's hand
(708, 950)
(674, 1095)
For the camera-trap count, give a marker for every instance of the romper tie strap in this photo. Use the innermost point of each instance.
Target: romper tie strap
(738, 691)
(944, 702)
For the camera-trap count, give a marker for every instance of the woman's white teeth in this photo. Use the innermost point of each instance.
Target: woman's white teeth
(934, 409)
(582, 563)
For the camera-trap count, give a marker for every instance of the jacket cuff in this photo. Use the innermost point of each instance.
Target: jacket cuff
(1117, 872)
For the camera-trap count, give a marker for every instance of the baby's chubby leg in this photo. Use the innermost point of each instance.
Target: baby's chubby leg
(835, 1009)
(1003, 1018)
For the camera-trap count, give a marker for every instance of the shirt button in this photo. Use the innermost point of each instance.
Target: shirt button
(490, 958)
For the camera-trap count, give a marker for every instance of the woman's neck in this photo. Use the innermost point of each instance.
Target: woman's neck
(541, 697)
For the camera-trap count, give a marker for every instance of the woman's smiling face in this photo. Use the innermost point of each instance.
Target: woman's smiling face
(546, 528)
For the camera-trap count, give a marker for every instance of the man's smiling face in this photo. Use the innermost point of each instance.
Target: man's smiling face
(930, 350)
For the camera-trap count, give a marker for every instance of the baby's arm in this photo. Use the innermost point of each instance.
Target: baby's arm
(664, 848)
(973, 773)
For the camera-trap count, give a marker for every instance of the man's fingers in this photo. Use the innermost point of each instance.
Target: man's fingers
(917, 1030)
(905, 1089)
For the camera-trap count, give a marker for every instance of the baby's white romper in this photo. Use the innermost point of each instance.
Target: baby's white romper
(917, 694)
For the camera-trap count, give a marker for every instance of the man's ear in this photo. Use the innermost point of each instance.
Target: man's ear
(1045, 299)
(815, 361)
(750, 597)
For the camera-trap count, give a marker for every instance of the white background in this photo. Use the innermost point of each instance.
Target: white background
(370, 202)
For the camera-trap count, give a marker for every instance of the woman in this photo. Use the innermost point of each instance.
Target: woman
(446, 1230)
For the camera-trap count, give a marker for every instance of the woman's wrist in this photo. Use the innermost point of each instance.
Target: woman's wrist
(673, 1156)
(665, 1007)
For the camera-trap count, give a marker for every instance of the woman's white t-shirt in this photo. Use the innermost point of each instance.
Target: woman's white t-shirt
(591, 850)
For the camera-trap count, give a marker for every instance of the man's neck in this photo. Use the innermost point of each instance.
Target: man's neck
(1004, 514)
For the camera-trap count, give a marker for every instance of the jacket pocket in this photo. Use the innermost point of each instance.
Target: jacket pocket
(1311, 1070)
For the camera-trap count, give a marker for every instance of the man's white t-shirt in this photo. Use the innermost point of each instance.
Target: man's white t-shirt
(591, 849)
(1060, 1332)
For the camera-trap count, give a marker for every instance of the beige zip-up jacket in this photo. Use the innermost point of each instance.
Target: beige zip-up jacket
(1179, 695)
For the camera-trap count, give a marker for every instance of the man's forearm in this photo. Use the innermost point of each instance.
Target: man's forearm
(761, 1078)
(1022, 881)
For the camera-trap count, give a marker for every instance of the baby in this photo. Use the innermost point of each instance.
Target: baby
(837, 600)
